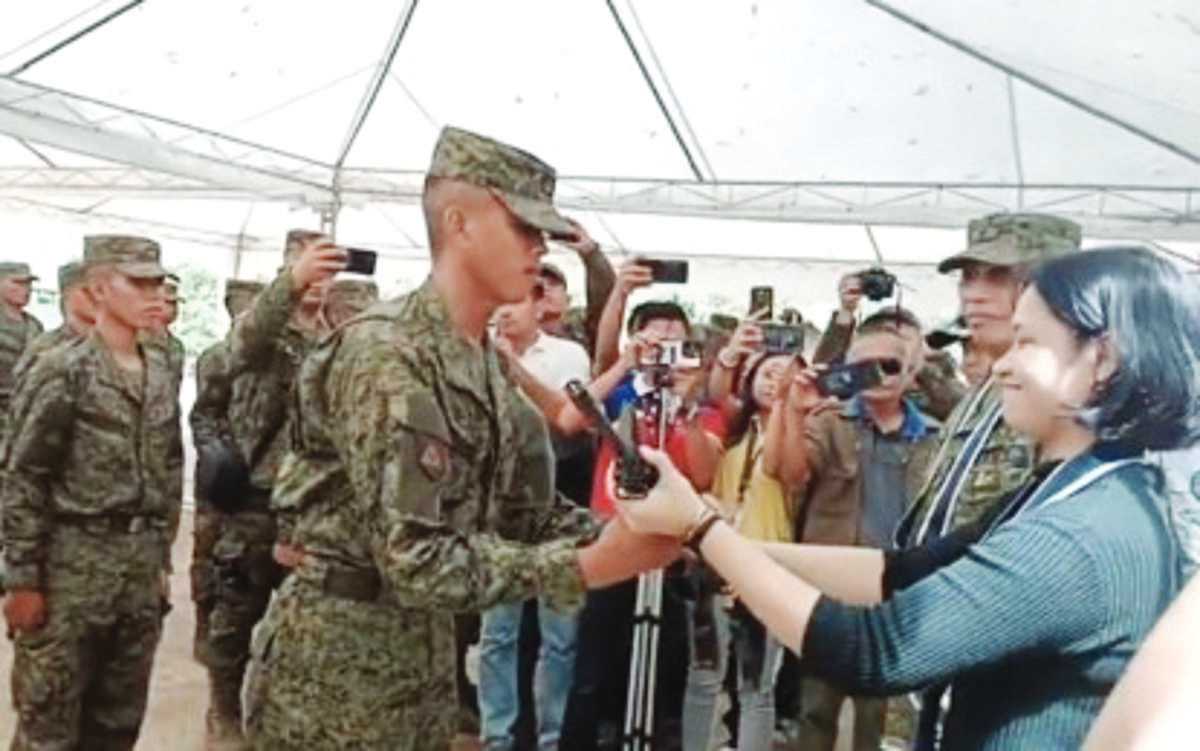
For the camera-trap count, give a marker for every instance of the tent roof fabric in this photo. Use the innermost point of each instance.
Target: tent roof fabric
(812, 111)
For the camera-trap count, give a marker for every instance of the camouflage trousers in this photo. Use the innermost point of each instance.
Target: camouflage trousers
(333, 673)
(240, 575)
(82, 679)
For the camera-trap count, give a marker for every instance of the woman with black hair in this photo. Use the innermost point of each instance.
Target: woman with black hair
(1033, 616)
(745, 494)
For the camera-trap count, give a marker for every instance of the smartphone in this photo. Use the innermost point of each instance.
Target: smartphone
(635, 476)
(666, 272)
(359, 261)
(782, 339)
(844, 381)
(762, 303)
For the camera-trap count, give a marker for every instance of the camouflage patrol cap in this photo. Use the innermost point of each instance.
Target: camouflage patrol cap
(1014, 239)
(171, 287)
(358, 293)
(522, 181)
(243, 287)
(16, 270)
(132, 256)
(69, 275)
(551, 272)
(295, 240)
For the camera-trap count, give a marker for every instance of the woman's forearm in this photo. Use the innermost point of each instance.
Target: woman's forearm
(781, 601)
(852, 575)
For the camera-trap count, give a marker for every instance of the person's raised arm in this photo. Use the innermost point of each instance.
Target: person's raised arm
(631, 276)
(257, 331)
(599, 276)
(746, 340)
(835, 340)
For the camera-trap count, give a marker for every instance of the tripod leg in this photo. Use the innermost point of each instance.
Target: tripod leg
(633, 702)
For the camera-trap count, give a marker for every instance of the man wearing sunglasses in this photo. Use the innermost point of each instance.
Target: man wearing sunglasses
(863, 460)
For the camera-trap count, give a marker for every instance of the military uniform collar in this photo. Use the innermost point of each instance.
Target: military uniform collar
(468, 365)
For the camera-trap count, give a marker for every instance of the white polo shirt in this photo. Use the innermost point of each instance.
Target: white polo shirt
(554, 361)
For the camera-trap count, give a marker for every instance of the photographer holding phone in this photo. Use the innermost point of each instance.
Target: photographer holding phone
(264, 349)
(859, 465)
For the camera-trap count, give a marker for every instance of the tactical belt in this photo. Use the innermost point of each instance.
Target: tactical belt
(361, 585)
(129, 524)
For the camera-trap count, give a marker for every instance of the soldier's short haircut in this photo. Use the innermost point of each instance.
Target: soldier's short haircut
(890, 319)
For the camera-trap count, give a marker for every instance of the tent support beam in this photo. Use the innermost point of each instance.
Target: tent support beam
(75, 37)
(662, 106)
(1016, 140)
(1053, 91)
(372, 92)
(89, 127)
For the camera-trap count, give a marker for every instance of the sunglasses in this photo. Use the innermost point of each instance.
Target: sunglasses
(887, 365)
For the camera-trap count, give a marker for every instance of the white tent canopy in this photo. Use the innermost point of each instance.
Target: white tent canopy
(220, 124)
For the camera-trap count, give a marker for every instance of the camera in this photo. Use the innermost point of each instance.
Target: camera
(877, 283)
(679, 353)
(844, 381)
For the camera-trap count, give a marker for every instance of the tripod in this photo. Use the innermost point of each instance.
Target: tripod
(647, 616)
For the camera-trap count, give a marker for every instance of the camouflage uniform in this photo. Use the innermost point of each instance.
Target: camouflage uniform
(15, 337)
(92, 485)
(422, 486)
(349, 297)
(1006, 460)
(69, 275)
(263, 353)
(209, 420)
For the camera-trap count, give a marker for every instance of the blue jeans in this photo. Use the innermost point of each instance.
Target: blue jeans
(498, 708)
(756, 725)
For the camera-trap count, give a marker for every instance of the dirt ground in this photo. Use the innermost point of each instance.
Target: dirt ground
(175, 719)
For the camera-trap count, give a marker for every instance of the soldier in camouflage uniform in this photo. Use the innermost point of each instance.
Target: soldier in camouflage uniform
(210, 429)
(264, 350)
(421, 484)
(78, 312)
(347, 298)
(982, 460)
(92, 487)
(159, 333)
(18, 329)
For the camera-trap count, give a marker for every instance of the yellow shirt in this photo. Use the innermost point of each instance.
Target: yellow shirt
(761, 505)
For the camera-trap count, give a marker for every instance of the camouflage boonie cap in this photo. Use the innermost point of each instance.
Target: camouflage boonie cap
(295, 240)
(69, 275)
(524, 182)
(16, 270)
(1014, 239)
(359, 293)
(138, 257)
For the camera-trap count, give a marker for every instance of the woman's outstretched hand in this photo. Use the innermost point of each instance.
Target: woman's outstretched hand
(671, 507)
